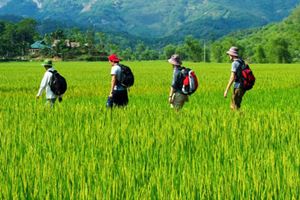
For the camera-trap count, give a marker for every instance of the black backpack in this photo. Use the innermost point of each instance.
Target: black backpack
(127, 77)
(58, 83)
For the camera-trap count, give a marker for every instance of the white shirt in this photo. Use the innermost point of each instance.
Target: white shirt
(45, 84)
(116, 70)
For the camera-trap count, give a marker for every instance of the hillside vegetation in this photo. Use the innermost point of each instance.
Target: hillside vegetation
(274, 43)
(278, 42)
(158, 18)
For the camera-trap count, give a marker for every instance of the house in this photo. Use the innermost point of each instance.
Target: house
(72, 44)
(36, 47)
(67, 43)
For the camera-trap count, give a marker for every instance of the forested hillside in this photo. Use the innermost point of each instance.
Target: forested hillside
(205, 19)
(278, 42)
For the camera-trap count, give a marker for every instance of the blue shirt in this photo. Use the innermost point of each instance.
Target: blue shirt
(177, 79)
(236, 67)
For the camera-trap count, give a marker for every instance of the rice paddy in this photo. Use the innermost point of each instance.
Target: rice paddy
(81, 150)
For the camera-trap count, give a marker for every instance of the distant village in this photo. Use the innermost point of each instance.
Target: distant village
(64, 50)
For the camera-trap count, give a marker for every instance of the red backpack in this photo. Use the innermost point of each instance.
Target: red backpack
(189, 81)
(248, 78)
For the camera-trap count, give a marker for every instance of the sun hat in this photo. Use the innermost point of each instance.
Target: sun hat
(113, 58)
(175, 60)
(233, 51)
(47, 62)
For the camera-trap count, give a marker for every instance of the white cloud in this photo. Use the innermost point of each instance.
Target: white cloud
(3, 3)
(87, 6)
(38, 3)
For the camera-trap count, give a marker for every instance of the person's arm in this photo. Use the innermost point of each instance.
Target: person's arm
(173, 86)
(113, 84)
(172, 91)
(43, 85)
(231, 80)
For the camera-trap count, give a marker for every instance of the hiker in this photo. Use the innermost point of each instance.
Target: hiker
(176, 96)
(235, 78)
(118, 93)
(45, 84)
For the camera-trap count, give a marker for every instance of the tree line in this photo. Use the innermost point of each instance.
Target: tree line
(274, 43)
(16, 40)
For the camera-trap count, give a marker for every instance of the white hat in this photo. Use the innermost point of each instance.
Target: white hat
(233, 51)
(175, 60)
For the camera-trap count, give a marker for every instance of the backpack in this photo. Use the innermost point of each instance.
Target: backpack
(189, 81)
(57, 83)
(127, 77)
(248, 79)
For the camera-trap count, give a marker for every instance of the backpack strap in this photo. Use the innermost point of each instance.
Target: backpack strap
(242, 63)
(181, 68)
(53, 72)
(241, 67)
(118, 83)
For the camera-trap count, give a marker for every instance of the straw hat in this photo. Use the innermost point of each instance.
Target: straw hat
(175, 60)
(233, 51)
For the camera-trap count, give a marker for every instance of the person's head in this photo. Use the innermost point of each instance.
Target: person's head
(47, 64)
(175, 60)
(233, 53)
(113, 59)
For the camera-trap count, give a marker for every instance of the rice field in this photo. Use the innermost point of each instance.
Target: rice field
(81, 150)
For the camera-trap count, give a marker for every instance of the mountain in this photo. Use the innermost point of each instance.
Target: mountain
(208, 19)
(277, 42)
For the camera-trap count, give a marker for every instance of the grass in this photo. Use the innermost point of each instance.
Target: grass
(81, 150)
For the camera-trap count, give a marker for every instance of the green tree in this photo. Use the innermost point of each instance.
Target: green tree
(59, 34)
(113, 48)
(150, 54)
(216, 52)
(127, 54)
(139, 50)
(2, 46)
(182, 52)
(25, 34)
(169, 50)
(2, 27)
(260, 55)
(279, 51)
(225, 44)
(101, 42)
(9, 42)
(194, 49)
(90, 42)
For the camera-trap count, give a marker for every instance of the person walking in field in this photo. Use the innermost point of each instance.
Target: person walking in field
(118, 95)
(47, 82)
(235, 79)
(176, 96)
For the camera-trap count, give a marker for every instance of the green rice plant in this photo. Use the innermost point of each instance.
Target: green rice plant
(81, 150)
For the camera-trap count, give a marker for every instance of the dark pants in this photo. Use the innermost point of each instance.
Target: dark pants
(237, 98)
(119, 98)
(51, 102)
